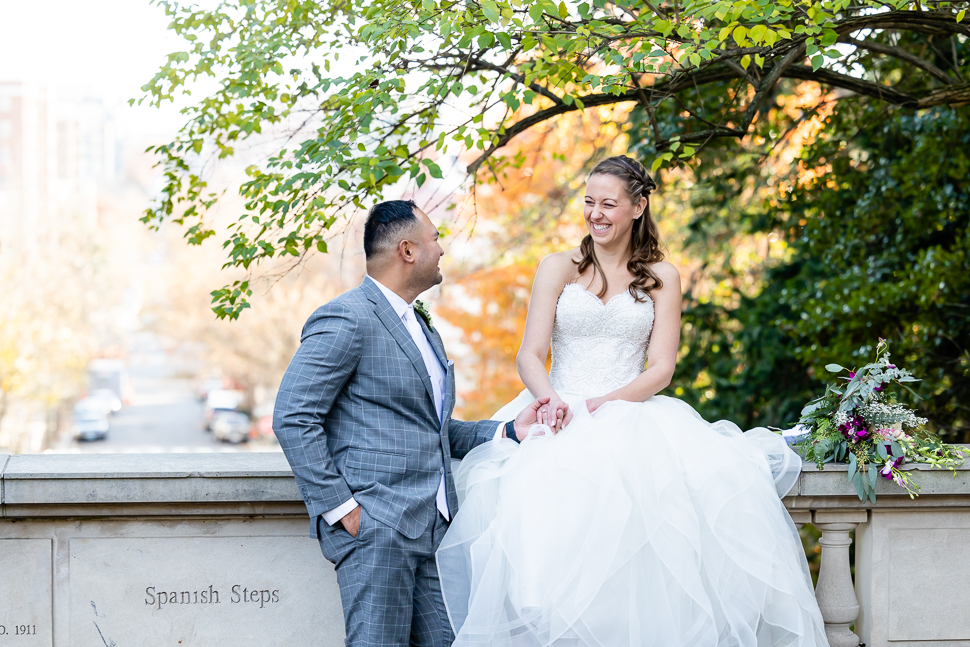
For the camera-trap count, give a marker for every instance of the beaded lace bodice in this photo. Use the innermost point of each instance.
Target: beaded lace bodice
(597, 347)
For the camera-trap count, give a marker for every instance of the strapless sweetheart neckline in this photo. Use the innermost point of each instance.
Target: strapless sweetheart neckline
(595, 296)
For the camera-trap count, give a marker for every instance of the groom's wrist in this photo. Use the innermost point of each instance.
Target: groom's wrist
(510, 431)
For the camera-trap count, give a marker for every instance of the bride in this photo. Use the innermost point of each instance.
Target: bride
(639, 524)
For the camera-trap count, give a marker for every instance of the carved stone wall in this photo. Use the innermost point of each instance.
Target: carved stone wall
(214, 549)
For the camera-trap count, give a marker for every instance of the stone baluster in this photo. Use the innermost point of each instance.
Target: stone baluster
(835, 593)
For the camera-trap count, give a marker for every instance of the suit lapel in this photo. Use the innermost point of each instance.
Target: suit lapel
(399, 332)
(447, 396)
(435, 340)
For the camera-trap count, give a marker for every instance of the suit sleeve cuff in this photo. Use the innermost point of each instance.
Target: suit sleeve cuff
(341, 511)
(498, 432)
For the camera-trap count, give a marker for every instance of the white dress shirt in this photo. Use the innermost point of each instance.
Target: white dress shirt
(406, 312)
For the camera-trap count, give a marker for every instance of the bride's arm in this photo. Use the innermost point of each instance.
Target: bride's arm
(664, 342)
(551, 277)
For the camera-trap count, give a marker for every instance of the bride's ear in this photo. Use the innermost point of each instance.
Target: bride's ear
(642, 206)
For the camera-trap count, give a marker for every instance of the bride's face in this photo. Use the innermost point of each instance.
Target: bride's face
(609, 212)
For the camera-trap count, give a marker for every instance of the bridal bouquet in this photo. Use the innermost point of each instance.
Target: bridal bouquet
(858, 421)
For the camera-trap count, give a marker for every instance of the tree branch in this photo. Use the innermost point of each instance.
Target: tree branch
(768, 84)
(518, 78)
(665, 89)
(902, 55)
(851, 83)
(952, 96)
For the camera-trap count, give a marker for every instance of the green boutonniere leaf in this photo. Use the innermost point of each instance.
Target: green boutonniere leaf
(420, 308)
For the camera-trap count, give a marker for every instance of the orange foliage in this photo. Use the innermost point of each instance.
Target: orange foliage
(492, 320)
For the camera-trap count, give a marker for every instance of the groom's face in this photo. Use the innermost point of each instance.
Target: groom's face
(427, 274)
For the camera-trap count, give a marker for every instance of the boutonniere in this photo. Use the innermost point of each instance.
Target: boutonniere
(420, 308)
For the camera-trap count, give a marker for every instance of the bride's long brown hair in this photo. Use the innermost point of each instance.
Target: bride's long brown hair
(644, 237)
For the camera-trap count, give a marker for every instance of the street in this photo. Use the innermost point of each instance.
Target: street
(164, 413)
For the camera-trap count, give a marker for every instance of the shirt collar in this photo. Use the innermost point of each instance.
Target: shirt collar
(400, 305)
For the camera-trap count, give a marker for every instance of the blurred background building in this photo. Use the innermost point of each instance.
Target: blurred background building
(55, 154)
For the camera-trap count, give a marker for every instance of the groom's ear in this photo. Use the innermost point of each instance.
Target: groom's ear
(407, 250)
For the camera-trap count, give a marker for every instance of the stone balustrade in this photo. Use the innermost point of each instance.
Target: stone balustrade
(213, 549)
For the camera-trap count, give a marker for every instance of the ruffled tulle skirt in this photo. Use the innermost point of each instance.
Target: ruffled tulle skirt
(639, 525)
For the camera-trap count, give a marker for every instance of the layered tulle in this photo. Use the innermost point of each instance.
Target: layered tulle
(640, 525)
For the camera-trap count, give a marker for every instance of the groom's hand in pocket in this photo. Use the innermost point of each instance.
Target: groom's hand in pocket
(351, 522)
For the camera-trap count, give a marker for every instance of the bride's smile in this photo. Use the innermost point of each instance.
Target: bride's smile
(609, 212)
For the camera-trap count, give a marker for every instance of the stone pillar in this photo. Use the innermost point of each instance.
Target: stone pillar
(835, 593)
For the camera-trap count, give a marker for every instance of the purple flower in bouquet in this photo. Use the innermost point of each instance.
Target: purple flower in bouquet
(891, 464)
(854, 429)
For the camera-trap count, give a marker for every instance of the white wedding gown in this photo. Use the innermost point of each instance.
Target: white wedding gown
(641, 525)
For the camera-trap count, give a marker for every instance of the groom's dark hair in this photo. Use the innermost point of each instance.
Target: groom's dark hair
(385, 224)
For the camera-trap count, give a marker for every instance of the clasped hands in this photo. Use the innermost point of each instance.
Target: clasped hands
(552, 412)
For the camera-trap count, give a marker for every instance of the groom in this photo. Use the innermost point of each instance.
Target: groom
(364, 417)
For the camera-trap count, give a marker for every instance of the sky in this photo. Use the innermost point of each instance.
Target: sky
(103, 48)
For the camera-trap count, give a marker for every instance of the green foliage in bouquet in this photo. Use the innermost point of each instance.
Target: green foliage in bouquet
(859, 421)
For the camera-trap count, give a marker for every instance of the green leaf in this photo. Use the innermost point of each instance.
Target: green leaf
(433, 169)
(739, 35)
(829, 38)
(817, 61)
(859, 484)
(853, 465)
(897, 450)
(490, 9)
(960, 15)
(833, 368)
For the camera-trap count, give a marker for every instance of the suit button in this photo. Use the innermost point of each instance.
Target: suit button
(441, 470)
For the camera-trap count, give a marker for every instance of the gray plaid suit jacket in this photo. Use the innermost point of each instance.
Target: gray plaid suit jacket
(355, 415)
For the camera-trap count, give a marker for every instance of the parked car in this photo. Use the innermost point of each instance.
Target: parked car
(110, 401)
(221, 400)
(90, 420)
(230, 426)
(110, 375)
(209, 385)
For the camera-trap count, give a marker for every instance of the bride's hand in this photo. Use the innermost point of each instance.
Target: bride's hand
(556, 414)
(593, 404)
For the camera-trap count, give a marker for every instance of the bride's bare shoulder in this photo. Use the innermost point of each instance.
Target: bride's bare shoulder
(668, 274)
(559, 266)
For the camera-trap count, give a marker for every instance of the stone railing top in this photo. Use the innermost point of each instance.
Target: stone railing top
(119, 484)
(115, 466)
(832, 482)
(67, 484)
